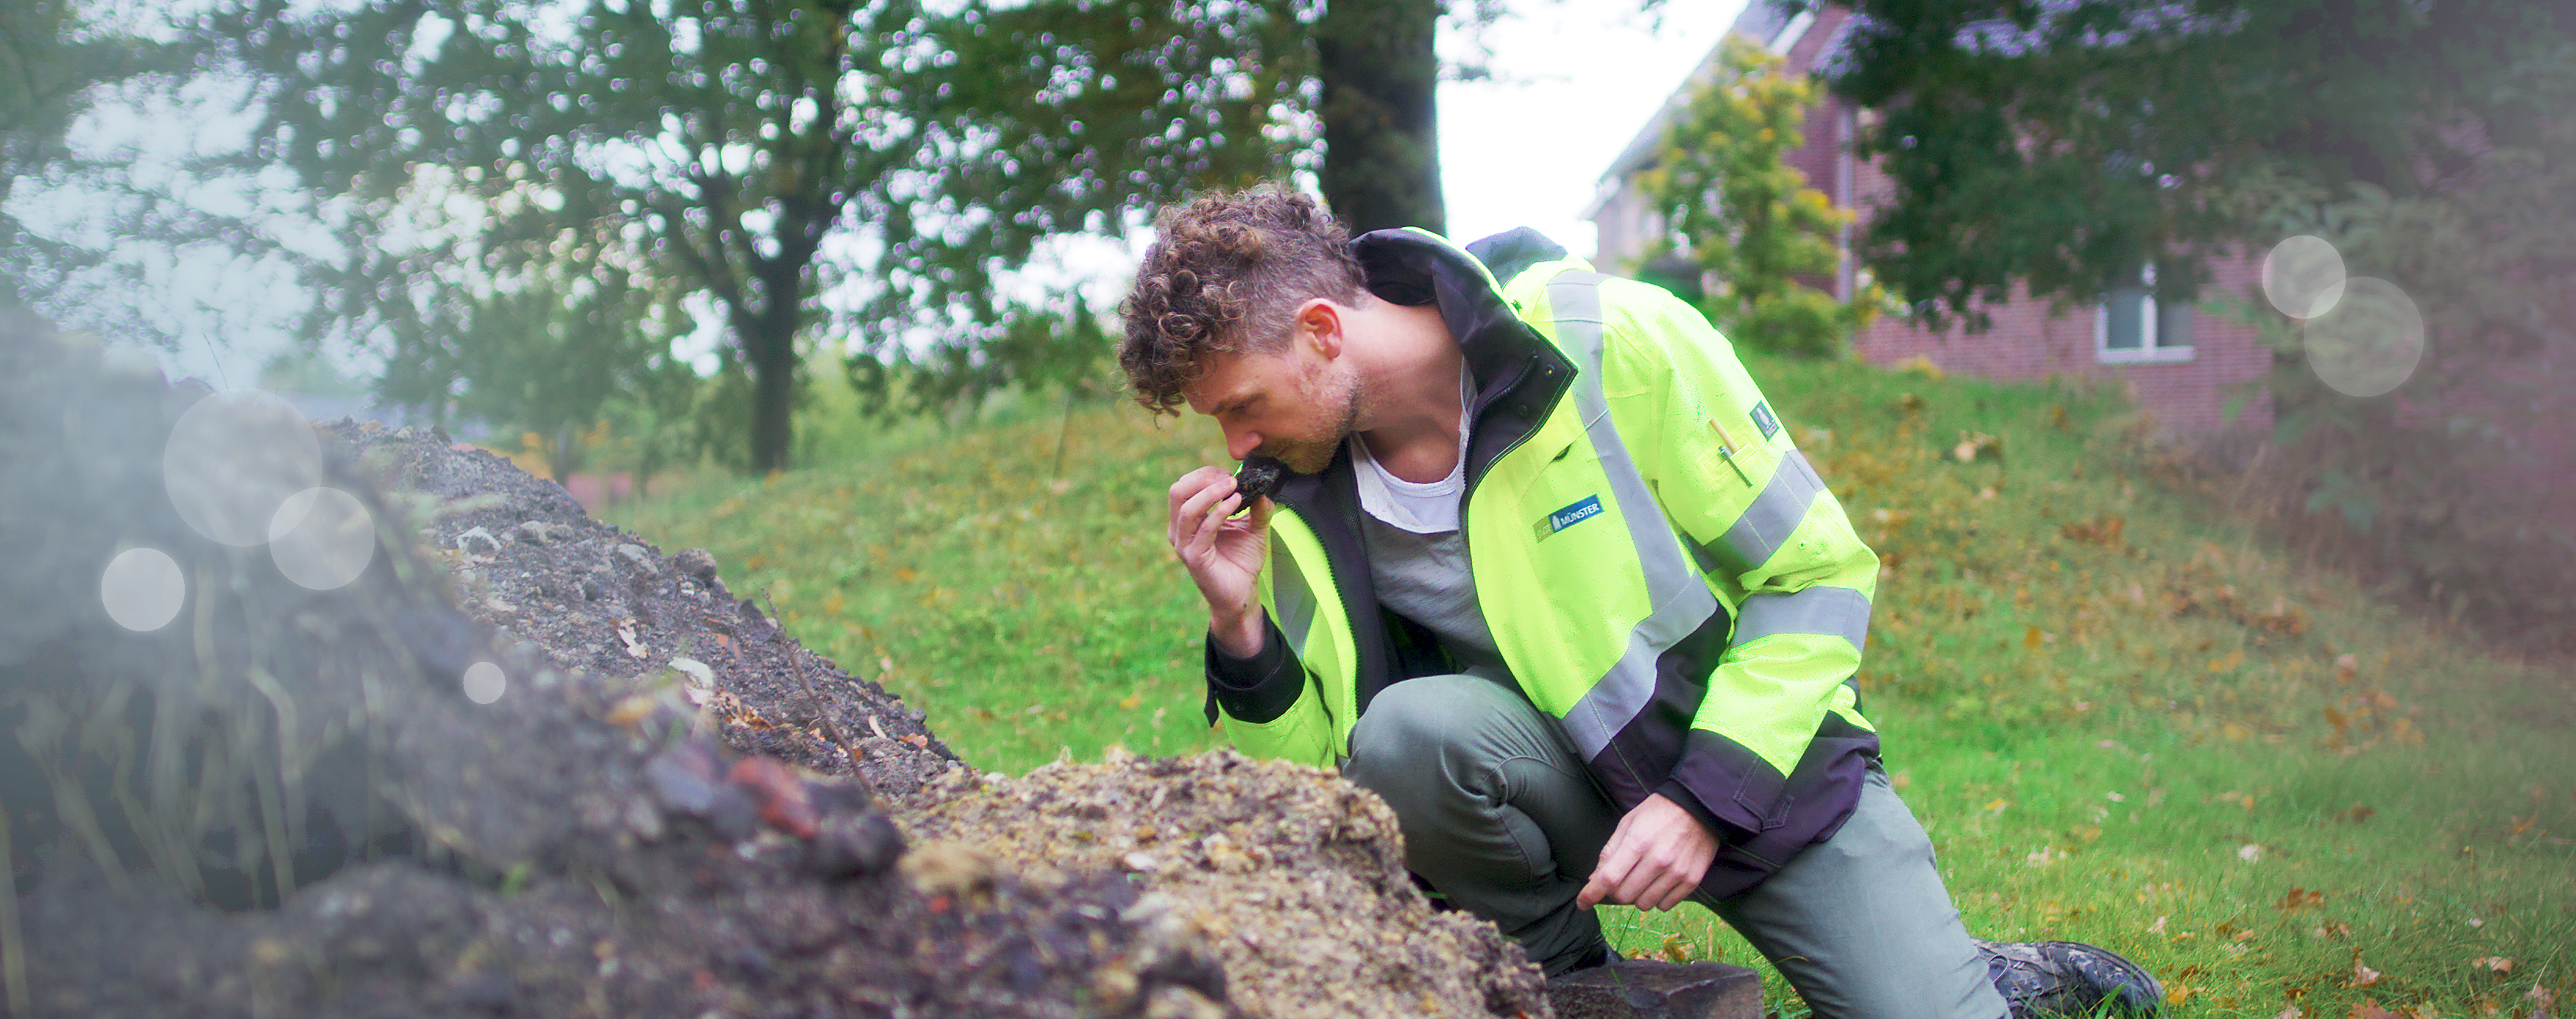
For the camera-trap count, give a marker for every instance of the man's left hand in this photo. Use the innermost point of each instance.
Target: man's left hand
(1653, 861)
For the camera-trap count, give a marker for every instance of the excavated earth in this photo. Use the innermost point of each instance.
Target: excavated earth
(669, 809)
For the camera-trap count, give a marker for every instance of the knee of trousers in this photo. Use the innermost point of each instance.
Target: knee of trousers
(1422, 733)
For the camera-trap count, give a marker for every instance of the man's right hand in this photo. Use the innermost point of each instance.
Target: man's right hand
(1223, 553)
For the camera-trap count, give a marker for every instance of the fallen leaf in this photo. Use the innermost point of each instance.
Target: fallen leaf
(2291, 1012)
(1130, 701)
(2362, 976)
(2494, 963)
(2030, 638)
(2369, 1009)
(2299, 898)
(2250, 853)
(2157, 927)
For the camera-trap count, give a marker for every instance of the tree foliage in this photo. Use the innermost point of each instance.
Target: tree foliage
(2453, 486)
(770, 159)
(2064, 143)
(1748, 219)
(548, 357)
(55, 63)
(715, 149)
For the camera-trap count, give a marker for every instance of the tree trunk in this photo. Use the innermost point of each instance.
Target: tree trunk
(771, 346)
(1380, 76)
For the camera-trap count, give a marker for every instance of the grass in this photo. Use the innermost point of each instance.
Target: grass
(2123, 719)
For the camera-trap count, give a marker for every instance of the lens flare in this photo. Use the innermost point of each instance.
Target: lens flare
(484, 682)
(2371, 341)
(2303, 276)
(233, 458)
(142, 589)
(322, 538)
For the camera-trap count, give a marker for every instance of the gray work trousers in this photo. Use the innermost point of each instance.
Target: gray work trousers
(1499, 814)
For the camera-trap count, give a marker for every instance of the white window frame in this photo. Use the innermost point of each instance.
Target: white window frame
(2151, 349)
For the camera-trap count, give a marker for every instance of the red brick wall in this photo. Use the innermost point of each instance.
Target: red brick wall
(2030, 339)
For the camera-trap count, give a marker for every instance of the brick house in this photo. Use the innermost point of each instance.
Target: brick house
(2179, 363)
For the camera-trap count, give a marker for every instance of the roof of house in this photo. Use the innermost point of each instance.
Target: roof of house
(1767, 22)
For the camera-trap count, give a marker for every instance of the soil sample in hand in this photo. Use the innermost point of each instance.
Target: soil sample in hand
(1259, 476)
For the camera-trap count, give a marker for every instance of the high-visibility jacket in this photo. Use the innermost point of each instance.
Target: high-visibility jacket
(1662, 570)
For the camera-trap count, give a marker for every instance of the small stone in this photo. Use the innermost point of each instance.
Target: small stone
(643, 820)
(734, 815)
(489, 992)
(855, 846)
(684, 778)
(696, 564)
(535, 532)
(836, 798)
(636, 554)
(780, 792)
(1644, 989)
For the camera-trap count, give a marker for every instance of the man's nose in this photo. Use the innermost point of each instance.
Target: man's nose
(1240, 442)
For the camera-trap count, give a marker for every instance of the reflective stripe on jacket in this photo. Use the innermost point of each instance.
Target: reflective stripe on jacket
(1662, 570)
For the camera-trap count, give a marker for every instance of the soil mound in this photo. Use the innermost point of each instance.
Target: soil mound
(493, 771)
(1291, 878)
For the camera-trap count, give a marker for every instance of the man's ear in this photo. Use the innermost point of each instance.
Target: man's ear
(1320, 324)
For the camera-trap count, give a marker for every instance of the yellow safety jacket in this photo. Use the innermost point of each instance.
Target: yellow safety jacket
(1662, 570)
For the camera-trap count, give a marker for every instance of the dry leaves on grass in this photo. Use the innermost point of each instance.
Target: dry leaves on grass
(2362, 976)
(2299, 898)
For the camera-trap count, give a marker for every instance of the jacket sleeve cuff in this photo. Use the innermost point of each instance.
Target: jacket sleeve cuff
(1256, 689)
(1674, 790)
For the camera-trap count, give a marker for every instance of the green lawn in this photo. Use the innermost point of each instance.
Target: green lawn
(2123, 719)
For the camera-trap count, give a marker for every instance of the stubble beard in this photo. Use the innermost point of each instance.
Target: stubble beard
(1311, 456)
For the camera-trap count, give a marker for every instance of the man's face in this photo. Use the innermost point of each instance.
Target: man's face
(1294, 405)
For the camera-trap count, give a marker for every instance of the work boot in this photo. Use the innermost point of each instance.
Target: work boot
(2043, 978)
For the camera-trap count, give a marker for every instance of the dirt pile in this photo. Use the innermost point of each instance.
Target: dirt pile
(528, 561)
(276, 795)
(1291, 878)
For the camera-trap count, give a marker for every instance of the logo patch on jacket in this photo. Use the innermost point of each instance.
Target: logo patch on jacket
(1585, 509)
(1763, 420)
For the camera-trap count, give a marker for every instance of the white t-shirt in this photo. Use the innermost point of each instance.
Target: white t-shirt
(1417, 557)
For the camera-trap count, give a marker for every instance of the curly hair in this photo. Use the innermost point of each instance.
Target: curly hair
(1225, 275)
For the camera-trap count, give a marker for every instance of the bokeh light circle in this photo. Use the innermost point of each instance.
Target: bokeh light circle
(2371, 341)
(142, 589)
(2303, 276)
(484, 682)
(233, 458)
(322, 538)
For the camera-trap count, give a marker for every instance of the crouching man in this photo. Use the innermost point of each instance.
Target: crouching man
(1549, 576)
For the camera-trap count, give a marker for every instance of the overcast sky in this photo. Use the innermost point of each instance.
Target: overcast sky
(1581, 78)
(1575, 80)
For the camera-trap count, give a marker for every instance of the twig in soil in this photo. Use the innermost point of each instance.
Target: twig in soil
(796, 660)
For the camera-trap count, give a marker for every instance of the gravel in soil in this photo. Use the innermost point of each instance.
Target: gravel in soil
(288, 803)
